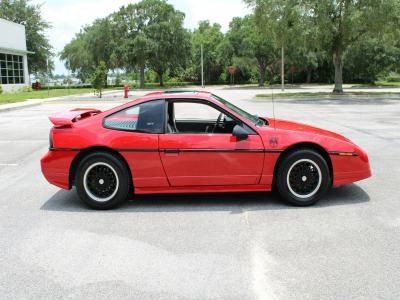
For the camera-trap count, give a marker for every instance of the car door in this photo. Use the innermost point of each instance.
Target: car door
(134, 132)
(208, 158)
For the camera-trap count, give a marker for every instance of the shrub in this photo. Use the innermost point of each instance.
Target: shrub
(151, 76)
(173, 80)
(1, 89)
(26, 89)
(99, 78)
(118, 81)
(224, 77)
(393, 77)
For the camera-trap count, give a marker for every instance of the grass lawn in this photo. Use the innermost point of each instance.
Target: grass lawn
(310, 94)
(42, 94)
(378, 84)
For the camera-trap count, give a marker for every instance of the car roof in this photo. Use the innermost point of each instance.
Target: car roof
(178, 93)
(171, 94)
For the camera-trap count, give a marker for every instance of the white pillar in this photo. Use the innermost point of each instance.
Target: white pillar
(26, 71)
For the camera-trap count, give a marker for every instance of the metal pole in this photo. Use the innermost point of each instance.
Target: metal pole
(48, 77)
(68, 79)
(283, 69)
(202, 67)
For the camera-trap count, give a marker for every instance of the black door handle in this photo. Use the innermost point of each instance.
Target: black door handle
(172, 151)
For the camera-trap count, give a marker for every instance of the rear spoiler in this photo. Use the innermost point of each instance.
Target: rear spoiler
(67, 118)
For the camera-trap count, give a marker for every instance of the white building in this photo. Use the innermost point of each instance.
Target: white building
(13, 56)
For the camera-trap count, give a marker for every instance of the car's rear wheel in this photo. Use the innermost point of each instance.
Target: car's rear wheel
(303, 177)
(102, 180)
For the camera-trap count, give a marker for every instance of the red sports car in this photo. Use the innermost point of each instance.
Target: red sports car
(194, 142)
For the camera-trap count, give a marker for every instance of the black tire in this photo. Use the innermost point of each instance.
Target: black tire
(308, 180)
(102, 181)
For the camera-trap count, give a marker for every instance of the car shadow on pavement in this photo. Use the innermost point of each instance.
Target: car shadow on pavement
(68, 201)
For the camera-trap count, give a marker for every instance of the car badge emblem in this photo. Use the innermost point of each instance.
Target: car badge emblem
(273, 141)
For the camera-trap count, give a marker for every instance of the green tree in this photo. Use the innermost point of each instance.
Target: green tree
(99, 78)
(341, 24)
(100, 43)
(132, 45)
(170, 43)
(225, 52)
(244, 62)
(280, 20)
(210, 36)
(249, 41)
(150, 34)
(29, 15)
(369, 59)
(303, 52)
(93, 44)
(77, 58)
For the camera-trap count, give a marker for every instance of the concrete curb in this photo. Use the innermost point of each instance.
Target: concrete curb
(13, 106)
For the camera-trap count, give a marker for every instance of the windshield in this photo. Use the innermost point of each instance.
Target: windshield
(251, 118)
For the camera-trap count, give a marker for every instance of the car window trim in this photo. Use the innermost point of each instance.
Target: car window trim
(212, 104)
(137, 131)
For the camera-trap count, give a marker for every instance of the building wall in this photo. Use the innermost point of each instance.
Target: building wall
(12, 35)
(13, 88)
(13, 42)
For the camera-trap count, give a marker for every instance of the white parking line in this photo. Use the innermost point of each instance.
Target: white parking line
(263, 285)
(8, 165)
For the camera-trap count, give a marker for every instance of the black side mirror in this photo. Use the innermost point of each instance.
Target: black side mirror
(240, 133)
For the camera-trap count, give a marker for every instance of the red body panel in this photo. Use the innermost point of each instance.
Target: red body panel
(55, 167)
(69, 117)
(183, 163)
(218, 166)
(348, 169)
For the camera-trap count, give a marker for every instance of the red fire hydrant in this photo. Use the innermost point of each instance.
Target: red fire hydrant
(126, 91)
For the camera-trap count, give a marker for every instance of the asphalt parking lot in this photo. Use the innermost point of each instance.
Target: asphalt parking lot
(212, 246)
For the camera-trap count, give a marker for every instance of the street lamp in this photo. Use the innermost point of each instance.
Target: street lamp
(48, 77)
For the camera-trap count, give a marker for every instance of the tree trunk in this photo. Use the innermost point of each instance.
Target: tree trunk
(262, 69)
(141, 76)
(309, 75)
(337, 61)
(161, 78)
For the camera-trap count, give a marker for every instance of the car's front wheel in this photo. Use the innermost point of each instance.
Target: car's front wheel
(102, 181)
(303, 177)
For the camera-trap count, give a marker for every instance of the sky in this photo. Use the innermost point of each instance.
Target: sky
(67, 17)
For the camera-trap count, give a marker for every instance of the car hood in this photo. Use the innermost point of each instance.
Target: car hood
(299, 127)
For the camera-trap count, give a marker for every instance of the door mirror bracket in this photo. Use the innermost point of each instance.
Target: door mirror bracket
(240, 133)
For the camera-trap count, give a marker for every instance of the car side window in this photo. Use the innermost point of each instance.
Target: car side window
(195, 111)
(196, 117)
(146, 117)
